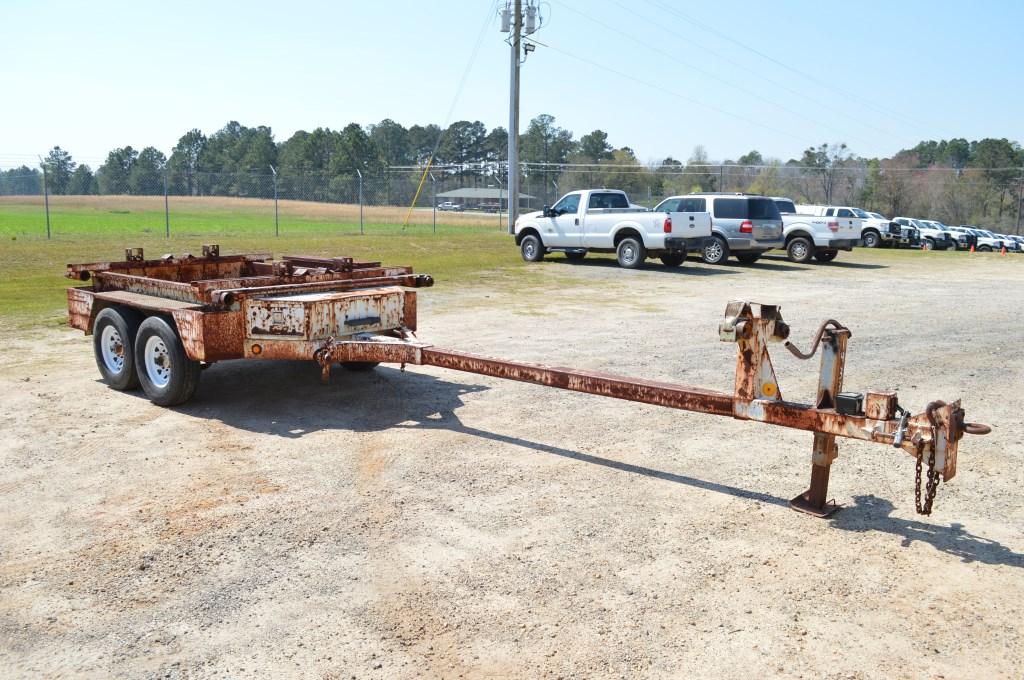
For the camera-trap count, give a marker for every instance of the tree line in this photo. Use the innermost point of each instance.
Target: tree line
(955, 180)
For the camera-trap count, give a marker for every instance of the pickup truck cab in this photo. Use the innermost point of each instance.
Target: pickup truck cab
(960, 240)
(604, 221)
(932, 238)
(818, 232)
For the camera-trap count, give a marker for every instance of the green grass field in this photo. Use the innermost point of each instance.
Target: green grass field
(465, 248)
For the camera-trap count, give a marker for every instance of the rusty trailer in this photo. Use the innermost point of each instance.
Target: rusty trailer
(157, 323)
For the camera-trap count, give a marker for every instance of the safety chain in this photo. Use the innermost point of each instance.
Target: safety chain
(932, 486)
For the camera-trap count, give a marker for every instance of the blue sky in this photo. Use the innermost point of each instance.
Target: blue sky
(658, 75)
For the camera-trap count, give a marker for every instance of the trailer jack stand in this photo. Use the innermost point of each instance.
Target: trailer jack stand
(931, 437)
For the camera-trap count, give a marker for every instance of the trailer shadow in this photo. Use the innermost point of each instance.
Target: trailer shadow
(870, 513)
(286, 399)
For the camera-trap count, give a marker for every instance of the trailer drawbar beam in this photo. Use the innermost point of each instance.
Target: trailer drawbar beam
(931, 437)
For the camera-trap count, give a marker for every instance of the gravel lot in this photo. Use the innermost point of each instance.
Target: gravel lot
(436, 524)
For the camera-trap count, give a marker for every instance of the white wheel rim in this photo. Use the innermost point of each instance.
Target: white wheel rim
(799, 250)
(529, 248)
(628, 253)
(713, 251)
(158, 362)
(112, 349)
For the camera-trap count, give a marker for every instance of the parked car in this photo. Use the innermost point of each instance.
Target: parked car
(743, 225)
(808, 234)
(1011, 245)
(491, 207)
(449, 205)
(603, 220)
(892, 234)
(932, 238)
(987, 241)
(960, 241)
(1020, 242)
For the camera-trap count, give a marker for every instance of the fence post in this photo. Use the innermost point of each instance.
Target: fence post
(721, 178)
(277, 224)
(46, 198)
(167, 210)
(360, 201)
(433, 198)
(1020, 200)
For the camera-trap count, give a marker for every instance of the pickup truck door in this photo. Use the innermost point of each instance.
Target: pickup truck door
(849, 224)
(690, 218)
(565, 230)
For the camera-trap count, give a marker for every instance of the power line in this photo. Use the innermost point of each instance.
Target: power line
(854, 97)
(647, 45)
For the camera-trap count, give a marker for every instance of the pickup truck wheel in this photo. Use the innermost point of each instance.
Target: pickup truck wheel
(575, 255)
(113, 339)
(715, 250)
(630, 253)
(800, 250)
(984, 249)
(748, 258)
(531, 248)
(826, 255)
(167, 375)
(927, 244)
(870, 239)
(672, 259)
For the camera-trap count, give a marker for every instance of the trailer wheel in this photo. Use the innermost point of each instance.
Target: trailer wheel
(800, 250)
(630, 253)
(113, 339)
(167, 375)
(531, 248)
(360, 365)
(826, 255)
(673, 259)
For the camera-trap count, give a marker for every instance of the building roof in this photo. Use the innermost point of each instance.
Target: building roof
(480, 193)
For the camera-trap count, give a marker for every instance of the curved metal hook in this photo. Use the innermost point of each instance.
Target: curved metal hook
(817, 339)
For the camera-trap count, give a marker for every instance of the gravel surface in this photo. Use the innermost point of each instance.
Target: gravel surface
(436, 524)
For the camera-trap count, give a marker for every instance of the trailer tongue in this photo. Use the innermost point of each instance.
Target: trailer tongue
(157, 321)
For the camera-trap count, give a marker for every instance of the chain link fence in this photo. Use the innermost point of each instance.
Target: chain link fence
(161, 202)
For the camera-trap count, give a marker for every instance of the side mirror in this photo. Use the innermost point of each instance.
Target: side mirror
(548, 212)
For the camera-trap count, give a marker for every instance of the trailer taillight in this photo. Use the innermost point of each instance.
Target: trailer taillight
(746, 227)
(668, 224)
(834, 226)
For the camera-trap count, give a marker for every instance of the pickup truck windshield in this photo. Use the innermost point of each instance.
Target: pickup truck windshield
(608, 200)
(860, 213)
(786, 206)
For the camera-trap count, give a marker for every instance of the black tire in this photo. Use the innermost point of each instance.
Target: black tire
(748, 258)
(167, 375)
(630, 253)
(927, 244)
(673, 259)
(800, 250)
(715, 250)
(360, 366)
(113, 342)
(984, 249)
(575, 255)
(531, 248)
(870, 239)
(825, 255)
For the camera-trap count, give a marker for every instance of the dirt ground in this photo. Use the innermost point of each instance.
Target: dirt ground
(435, 524)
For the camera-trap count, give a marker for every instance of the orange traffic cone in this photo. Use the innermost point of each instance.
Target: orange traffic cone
(1002, 251)
(972, 247)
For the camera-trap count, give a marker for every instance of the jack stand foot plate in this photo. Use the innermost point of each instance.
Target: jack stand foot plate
(803, 504)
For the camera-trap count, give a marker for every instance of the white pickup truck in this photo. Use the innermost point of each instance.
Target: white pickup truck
(810, 234)
(604, 221)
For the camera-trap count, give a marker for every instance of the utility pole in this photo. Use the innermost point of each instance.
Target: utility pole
(513, 118)
(512, 23)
